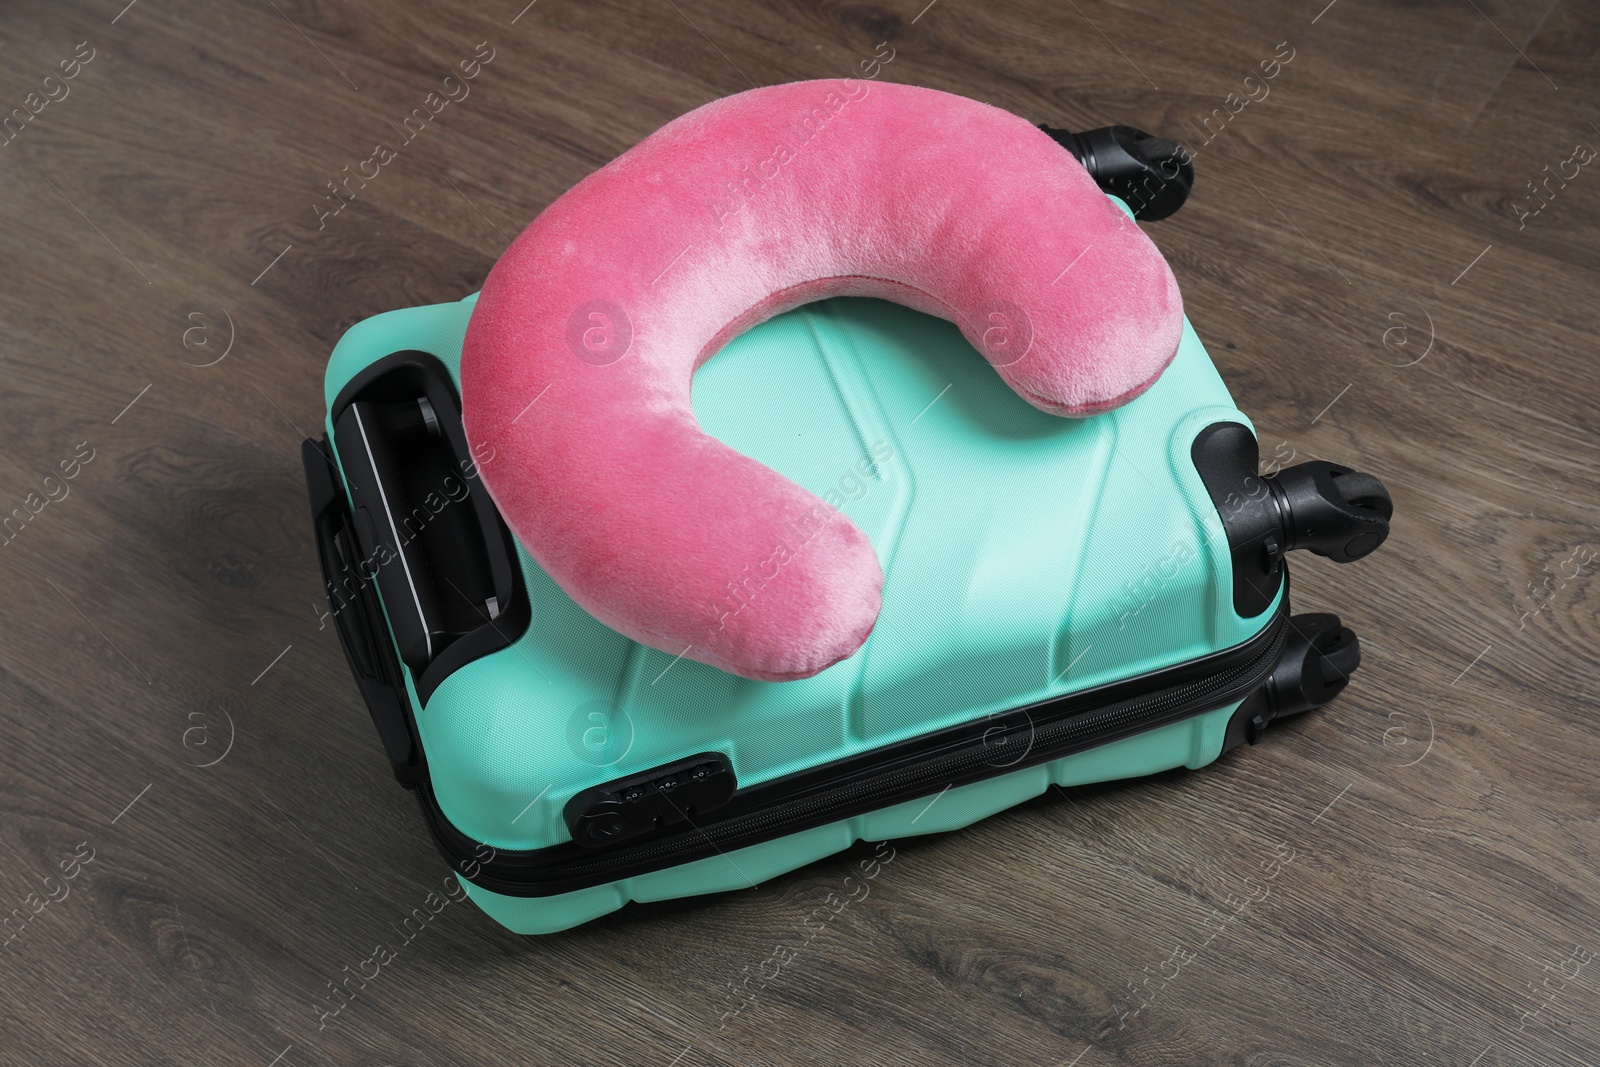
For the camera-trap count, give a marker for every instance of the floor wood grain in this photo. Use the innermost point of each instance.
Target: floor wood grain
(1410, 877)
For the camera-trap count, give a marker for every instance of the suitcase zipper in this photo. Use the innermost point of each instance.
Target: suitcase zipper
(859, 785)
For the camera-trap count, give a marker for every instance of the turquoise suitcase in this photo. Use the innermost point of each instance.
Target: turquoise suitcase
(1066, 601)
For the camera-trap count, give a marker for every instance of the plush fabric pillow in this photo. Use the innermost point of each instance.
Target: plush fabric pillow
(578, 359)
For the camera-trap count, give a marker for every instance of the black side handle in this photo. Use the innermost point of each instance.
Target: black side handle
(1151, 175)
(358, 618)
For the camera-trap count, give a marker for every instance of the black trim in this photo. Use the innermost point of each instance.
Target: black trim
(1226, 456)
(358, 618)
(437, 580)
(909, 769)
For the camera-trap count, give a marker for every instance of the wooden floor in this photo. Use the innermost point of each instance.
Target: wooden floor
(1411, 876)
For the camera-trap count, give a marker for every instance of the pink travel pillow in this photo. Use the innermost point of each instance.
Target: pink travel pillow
(578, 359)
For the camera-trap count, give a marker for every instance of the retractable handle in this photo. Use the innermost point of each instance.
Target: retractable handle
(1152, 175)
(430, 538)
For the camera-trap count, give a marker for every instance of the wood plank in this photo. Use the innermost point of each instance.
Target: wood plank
(1442, 814)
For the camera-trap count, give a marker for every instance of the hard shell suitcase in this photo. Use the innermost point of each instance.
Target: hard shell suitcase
(1066, 601)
